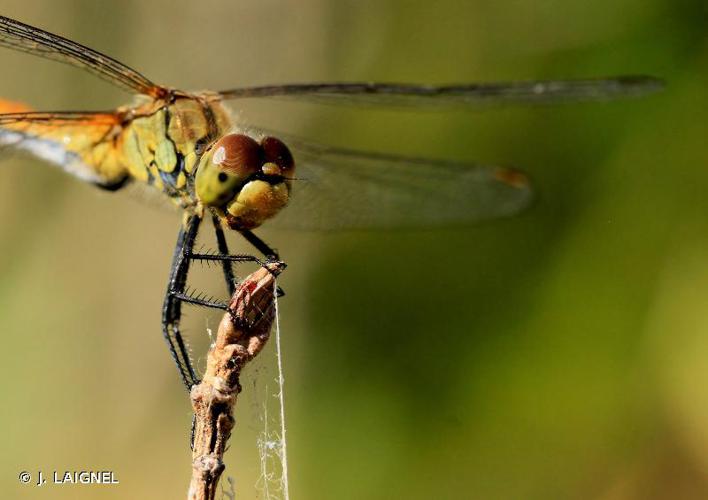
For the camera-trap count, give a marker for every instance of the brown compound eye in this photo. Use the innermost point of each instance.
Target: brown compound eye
(275, 151)
(237, 154)
(223, 169)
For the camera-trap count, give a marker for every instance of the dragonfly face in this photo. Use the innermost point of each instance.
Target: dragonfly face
(245, 182)
(187, 146)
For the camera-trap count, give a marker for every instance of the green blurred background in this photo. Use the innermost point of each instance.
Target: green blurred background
(560, 354)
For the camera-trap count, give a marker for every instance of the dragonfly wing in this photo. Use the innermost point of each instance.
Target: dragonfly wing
(466, 95)
(338, 188)
(79, 142)
(25, 38)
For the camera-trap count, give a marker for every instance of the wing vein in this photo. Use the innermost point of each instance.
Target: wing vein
(411, 95)
(22, 37)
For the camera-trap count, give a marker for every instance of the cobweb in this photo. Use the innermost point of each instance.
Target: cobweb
(272, 443)
(263, 389)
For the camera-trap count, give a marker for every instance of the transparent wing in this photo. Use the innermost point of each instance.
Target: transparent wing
(474, 94)
(338, 188)
(23, 37)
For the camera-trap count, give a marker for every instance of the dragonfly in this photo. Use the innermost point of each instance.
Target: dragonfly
(192, 149)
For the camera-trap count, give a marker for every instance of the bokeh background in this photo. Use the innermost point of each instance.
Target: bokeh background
(559, 354)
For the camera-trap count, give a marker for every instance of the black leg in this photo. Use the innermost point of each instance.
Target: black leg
(260, 245)
(265, 249)
(224, 250)
(172, 307)
(177, 291)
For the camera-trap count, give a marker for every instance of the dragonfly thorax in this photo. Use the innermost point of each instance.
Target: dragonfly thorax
(245, 181)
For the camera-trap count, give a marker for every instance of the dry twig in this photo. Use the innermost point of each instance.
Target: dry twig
(242, 333)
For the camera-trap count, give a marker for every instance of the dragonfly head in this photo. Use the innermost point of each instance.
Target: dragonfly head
(244, 181)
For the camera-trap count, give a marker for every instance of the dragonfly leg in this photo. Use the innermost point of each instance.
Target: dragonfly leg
(270, 254)
(260, 245)
(177, 291)
(224, 250)
(172, 307)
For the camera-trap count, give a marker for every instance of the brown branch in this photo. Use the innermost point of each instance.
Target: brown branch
(242, 333)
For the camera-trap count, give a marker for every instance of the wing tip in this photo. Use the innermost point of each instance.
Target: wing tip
(512, 177)
(643, 84)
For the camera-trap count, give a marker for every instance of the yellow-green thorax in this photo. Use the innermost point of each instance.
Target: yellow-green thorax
(161, 147)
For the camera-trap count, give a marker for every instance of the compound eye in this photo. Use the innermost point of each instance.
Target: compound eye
(236, 155)
(224, 169)
(275, 151)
